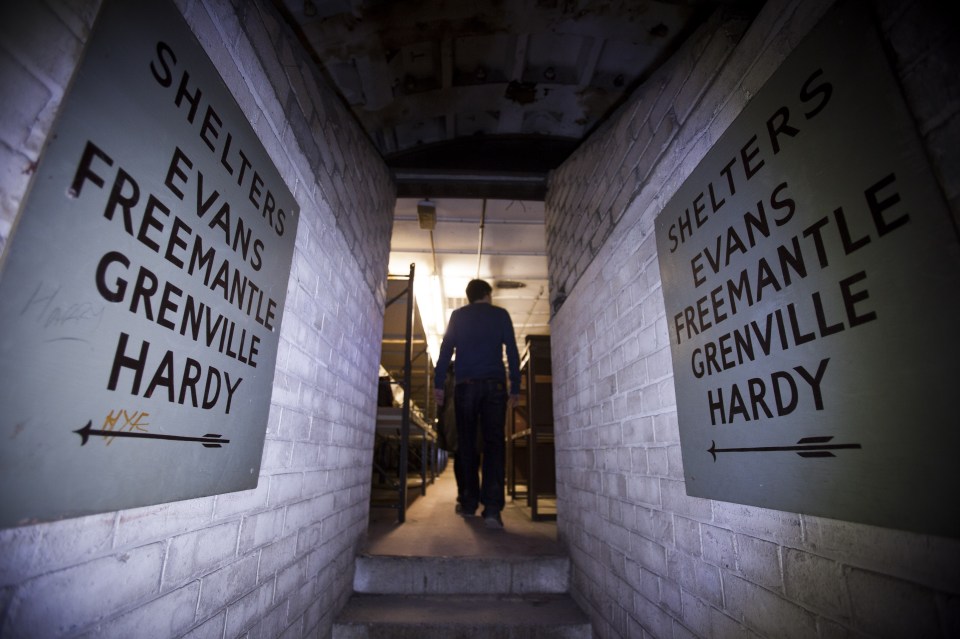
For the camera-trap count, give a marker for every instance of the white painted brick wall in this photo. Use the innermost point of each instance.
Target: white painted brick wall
(61, 602)
(694, 567)
(169, 615)
(275, 561)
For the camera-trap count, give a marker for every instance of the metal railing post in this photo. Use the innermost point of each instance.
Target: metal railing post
(405, 415)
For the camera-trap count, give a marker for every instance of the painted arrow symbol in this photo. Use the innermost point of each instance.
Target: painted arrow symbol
(210, 440)
(805, 447)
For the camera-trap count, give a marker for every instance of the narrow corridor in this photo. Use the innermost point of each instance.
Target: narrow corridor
(433, 529)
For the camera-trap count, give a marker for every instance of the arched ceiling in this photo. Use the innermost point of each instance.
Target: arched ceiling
(451, 91)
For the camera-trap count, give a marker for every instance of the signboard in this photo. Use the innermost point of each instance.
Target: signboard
(811, 277)
(143, 286)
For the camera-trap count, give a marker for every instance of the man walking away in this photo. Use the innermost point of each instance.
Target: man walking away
(478, 332)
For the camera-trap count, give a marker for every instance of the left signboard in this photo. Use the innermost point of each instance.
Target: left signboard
(143, 286)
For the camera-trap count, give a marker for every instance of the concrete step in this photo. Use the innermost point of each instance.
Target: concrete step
(543, 616)
(461, 575)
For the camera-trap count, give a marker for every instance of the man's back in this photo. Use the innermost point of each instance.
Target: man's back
(478, 332)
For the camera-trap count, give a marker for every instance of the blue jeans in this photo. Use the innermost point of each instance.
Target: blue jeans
(481, 406)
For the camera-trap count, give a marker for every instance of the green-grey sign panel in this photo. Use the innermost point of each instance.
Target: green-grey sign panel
(142, 289)
(811, 277)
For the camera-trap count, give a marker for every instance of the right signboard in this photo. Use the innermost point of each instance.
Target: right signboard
(811, 276)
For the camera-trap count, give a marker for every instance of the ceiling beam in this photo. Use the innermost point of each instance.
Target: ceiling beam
(474, 184)
(488, 253)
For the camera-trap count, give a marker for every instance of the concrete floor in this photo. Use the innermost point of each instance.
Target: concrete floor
(433, 529)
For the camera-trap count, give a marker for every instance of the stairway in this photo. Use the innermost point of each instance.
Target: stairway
(444, 597)
(439, 575)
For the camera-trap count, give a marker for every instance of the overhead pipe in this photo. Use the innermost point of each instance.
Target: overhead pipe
(533, 306)
(483, 217)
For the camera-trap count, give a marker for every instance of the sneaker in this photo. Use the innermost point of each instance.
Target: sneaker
(463, 512)
(493, 521)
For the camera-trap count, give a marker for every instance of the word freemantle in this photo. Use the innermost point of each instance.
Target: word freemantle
(170, 237)
(794, 260)
(146, 218)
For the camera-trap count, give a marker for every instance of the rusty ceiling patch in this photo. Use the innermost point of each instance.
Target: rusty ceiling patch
(521, 92)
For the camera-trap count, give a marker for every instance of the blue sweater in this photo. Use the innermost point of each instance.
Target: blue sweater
(478, 332)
